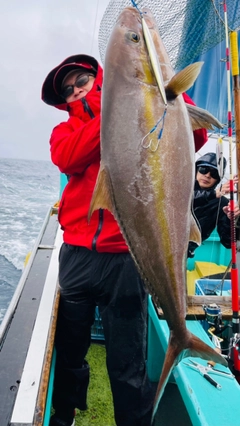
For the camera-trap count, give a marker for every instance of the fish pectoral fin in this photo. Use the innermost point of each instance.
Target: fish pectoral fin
(202, 119)
(195, 233)
(183, 80)
(101, 198)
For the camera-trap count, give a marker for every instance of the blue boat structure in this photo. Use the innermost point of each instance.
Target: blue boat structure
(27, 355)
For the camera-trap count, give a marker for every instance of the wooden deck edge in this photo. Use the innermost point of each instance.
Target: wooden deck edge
(43, 387)
(195, 306)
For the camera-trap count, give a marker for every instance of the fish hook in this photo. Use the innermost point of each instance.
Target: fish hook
(150, 144)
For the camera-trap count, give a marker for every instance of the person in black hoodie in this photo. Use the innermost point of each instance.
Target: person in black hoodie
(210, 206)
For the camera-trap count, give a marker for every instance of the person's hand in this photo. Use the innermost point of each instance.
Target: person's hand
(225, 187)
(226, 210)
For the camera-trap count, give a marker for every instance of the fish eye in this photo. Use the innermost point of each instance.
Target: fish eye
(133, 37)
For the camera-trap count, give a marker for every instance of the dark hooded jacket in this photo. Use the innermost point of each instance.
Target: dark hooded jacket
(208, 209)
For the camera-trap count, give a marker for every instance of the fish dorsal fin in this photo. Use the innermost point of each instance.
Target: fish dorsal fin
(195, 233)
(202, 119)
(101, 198)
(183, 80)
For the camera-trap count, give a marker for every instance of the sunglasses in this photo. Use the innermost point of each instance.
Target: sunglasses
(206, 169)
(80, 81)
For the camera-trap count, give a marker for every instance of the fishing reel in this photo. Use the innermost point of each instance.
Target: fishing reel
(213, 315)
(214, 320)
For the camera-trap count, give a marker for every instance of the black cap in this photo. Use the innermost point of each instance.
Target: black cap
(51, 88)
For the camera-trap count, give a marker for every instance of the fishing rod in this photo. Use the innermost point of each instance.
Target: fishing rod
(236, 91)
(234, 269)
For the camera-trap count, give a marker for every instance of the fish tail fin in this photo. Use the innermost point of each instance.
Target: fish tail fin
(190, 346)
(171, 359)
(198, 348)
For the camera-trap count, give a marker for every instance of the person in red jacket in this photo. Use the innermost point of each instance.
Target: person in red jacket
(95, 266)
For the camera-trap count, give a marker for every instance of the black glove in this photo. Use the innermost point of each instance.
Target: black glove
(191, 249)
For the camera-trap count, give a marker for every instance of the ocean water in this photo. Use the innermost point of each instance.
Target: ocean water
(27, 190)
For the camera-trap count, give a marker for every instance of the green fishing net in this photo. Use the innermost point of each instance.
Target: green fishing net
(188, 28)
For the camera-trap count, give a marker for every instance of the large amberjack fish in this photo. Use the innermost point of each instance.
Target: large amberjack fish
(146, 180)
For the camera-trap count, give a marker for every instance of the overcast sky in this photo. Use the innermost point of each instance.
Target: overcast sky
(35, 37)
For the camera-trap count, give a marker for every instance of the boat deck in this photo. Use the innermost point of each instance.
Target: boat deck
(25, 340)
(205, 404)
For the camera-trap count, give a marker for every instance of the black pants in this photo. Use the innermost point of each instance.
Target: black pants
(88, 278)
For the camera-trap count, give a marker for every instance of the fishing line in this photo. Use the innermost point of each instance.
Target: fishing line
(94, 27)
(149, 145)
(136, 6)
(219, 144)
(213, 246)
(219, 29)
(220, 285)
(232, 219)
(214, 242)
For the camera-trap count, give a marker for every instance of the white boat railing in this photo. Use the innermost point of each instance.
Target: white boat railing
(11, 308)
(25, 404)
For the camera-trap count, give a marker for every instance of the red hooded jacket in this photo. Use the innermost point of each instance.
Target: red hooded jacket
(75, 149)
(200, 135)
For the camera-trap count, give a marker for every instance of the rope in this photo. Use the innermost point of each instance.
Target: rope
(94, 27)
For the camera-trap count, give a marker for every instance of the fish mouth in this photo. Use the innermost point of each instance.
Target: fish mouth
(131, 9)
(145, 12)
(134, 13)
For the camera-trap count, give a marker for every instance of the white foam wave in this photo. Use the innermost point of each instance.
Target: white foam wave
(27, 190)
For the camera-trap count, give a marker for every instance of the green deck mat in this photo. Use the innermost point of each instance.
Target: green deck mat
(100, 406)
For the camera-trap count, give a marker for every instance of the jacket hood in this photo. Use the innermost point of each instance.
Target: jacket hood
(49, 93)
(210, 159)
